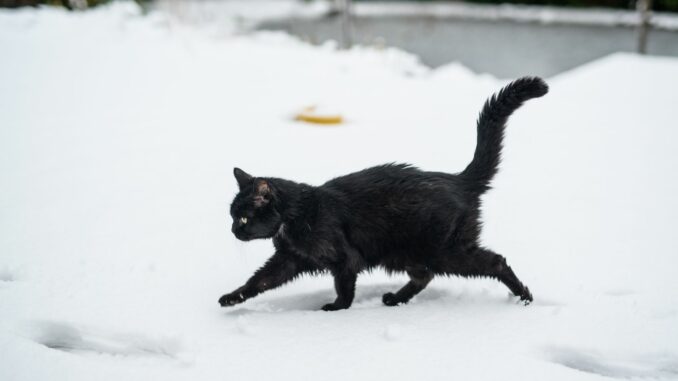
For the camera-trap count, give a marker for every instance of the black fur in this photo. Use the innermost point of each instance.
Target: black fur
(392, 216)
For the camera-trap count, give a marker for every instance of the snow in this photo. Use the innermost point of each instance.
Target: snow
(119, 132)
(235, 15)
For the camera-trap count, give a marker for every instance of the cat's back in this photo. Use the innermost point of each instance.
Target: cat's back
(391, 210)
(397, 186)
(377, 176)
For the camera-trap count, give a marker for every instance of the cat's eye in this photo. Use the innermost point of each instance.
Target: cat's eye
(243, 220)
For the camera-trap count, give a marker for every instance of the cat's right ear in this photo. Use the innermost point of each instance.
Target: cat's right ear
(242, 177)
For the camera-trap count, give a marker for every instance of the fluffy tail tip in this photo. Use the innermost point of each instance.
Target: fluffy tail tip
(531, 87)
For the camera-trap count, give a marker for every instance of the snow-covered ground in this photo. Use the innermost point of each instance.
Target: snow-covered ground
(118, 135)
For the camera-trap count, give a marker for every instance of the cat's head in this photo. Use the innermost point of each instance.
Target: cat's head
(253, 208)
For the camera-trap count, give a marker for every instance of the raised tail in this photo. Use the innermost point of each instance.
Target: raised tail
(491, 124)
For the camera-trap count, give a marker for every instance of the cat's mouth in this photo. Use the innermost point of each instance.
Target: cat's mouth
(244, 238)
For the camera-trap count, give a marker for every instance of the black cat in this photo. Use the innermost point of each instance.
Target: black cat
(393, 216)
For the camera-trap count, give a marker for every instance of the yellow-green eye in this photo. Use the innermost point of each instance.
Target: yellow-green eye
(243, 220)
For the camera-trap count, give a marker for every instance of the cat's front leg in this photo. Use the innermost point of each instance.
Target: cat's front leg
(344, 284)
(233, 298)
(278, 270)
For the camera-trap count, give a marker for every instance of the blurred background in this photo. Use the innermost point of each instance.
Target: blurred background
(121, 122)
(565, 33)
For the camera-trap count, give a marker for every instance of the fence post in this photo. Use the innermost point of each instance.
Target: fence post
(346, 27)
(644, 8)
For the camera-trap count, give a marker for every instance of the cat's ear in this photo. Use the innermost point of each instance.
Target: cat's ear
(242, 177)
(262, 193)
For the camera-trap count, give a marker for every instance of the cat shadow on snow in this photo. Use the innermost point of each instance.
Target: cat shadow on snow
(368, 294)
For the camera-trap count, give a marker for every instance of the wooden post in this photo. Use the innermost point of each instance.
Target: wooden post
(644, 8)
(346, 27)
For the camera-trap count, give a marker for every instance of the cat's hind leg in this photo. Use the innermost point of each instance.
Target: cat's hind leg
(419, 279)
(484, 262)
(344, 285)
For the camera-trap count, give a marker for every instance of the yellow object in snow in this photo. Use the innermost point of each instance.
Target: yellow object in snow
(310, 115)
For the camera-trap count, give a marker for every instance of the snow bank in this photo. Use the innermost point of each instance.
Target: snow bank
(119, 133)
(237, 15)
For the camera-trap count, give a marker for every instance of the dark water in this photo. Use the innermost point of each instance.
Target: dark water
(502, 48)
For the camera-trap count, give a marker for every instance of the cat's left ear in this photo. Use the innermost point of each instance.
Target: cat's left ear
(262, 193)
(242, 177)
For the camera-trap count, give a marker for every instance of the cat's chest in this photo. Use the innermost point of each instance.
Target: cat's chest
(307, 247)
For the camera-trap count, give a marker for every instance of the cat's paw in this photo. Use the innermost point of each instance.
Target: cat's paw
(390, 299)
(526, 296)
(334, 307)
(231, 299)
